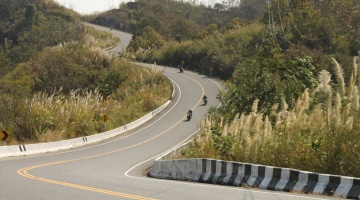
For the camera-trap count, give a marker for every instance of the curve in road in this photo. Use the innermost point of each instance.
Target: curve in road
(116, 169)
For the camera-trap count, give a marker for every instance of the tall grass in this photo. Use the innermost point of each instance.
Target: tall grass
(56, 116)
(46, 117)
(323, 138)
(98, 38)
(145, 90)
(72, 115)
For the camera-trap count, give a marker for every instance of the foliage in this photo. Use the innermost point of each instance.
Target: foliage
(148, 38)
(173, 20)
(103, 39)
(327, 25)
(222, 144)
(27, 27)
(73, 66)
(268, 64)
(323, 137)
(58, 80)
(318, 29)
(45, 117)
(220, 51)
(269, 81)
(272, 62)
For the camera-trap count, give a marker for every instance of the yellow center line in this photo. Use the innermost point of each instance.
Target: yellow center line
(25, 171)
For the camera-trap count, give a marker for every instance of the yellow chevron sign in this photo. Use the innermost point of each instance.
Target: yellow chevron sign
(4, 135)
(105, 118)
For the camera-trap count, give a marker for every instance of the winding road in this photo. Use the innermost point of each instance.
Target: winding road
(116, 168)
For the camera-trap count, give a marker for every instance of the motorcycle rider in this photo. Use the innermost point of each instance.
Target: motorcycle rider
(205, 99)
(181, 69)
(189, 114)
(190, 111)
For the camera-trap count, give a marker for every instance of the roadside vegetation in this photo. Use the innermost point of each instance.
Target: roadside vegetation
(286, 103)
(320, 134)
(57, 81)
(100, 39)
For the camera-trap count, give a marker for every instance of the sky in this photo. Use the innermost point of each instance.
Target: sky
(92, 6)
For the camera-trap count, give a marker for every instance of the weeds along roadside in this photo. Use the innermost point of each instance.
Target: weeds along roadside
(53, 117)
(59, 115)
(321, 134)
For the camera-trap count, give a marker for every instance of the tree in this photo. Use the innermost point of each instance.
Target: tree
(269, 81)
(30, 15)
(219, 6)
(148, 38)
(111, 82)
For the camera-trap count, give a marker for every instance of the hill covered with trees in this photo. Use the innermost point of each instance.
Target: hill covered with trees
(161, 21)
(57, 81)
(286, 92)
(287, 95)
(289, 39)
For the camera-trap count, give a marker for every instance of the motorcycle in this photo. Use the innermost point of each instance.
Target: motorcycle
(205, 101)
(189, 115)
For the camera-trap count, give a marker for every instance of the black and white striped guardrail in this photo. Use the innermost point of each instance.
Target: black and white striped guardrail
(258, 176)
(22, 148)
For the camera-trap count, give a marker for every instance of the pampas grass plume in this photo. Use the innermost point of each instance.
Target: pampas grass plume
(339, 76)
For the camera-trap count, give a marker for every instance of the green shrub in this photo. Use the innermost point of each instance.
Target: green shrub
(323, 138)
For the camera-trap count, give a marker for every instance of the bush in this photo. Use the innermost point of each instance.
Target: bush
(323, 138)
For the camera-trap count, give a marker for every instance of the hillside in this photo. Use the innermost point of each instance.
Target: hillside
(57, 81)
(275, 58)
(176, 20)
(291, 76)
(29, 26)
(291, 72)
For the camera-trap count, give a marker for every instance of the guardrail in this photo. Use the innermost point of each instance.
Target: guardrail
(251, 175)
(29, 149)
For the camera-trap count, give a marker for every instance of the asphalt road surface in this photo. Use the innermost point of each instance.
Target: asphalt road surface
(116, 168)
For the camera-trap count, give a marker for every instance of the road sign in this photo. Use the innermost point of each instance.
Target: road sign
(105, 118)
(4, 135)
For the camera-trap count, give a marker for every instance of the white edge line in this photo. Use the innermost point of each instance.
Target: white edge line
(199, 184)
(92, 146)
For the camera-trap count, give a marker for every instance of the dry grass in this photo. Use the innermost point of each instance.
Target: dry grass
(100, 39)
(323, 139)
(52, 117)
(72, 115)
(58, 116)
